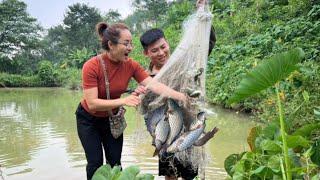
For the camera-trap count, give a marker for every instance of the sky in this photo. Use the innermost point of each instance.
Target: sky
(51, 12)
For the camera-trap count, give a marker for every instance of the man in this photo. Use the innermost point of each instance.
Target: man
(157, 49)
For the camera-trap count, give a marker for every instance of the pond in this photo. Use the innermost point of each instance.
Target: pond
(38, 137)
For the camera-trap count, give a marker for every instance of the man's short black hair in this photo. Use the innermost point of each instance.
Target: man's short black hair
(150, 37)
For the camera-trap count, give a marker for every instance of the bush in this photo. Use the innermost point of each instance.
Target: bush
(236, 53)
(45, 73)
(14, 80)
(69, 78)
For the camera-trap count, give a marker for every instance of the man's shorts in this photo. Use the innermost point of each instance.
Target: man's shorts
(171, 166)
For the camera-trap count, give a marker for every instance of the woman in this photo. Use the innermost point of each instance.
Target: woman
(92, 121)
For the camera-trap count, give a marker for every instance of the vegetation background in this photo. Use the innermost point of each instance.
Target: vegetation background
(247, 31)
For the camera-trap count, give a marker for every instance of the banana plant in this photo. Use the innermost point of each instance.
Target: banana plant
(268, 74)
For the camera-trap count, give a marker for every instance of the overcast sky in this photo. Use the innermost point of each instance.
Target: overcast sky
(50, 12)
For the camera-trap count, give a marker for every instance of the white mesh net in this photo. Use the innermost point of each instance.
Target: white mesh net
(185, 70)
(188, 59)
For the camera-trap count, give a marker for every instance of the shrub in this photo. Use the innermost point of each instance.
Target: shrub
(46, 73)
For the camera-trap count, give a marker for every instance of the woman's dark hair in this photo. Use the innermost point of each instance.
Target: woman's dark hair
(109, 33)
(151, 36)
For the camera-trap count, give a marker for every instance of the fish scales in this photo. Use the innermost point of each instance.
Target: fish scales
(186, 140)
(175, 118)
(153, 119)
(162, 131)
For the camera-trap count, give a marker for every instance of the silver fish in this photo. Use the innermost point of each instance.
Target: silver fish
(187, 139)
(201, 117)
(193, 93)
(175, 118)
(206, 137)
(153, 118)
(161, 134)
(197, 76)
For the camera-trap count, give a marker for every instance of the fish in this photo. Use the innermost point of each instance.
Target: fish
(175, 118)
(161, 134)
(206, 137)
(201, 117)
(186, 139)
(153, 118)
(193, 93)
(197, 76)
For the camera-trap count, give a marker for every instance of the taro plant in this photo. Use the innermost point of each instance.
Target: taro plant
(273, 150)
(106, 172)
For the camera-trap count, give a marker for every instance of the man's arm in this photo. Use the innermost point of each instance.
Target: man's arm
(163, 90)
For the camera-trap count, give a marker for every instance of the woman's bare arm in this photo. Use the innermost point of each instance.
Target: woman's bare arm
(96, 104)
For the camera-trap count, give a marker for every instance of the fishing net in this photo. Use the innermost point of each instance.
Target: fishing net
(185, 72)
(185, 67)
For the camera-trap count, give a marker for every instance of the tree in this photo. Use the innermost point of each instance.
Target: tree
(78, 57)
(112, 16)
(75, 33)
(154, 9)
(55, 44)
(137, 21)
(19, 33)
(79, 27)
(178, 12)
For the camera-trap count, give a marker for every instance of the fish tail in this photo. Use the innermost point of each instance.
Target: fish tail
(153, 142)
(206, 137)
(214, 130)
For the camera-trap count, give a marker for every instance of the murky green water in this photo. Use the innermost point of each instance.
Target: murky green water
(38, 137)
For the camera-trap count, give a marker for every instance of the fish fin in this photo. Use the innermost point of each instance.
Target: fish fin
(156, 152)
(153, 141)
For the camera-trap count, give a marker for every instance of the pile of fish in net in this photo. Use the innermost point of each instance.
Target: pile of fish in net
(177, 128)
(173, 129)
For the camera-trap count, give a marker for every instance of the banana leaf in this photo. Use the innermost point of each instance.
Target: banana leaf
(268, 73)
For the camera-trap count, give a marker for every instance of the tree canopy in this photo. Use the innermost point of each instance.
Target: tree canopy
(19, 32)
(79, 26)
(112, 16)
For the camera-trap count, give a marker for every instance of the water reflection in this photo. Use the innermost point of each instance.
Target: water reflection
(38, 137)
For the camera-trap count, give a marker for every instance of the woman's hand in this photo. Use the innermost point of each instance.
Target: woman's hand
(185, 100)
(131, 100)
(182, 98)
(139, 90)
